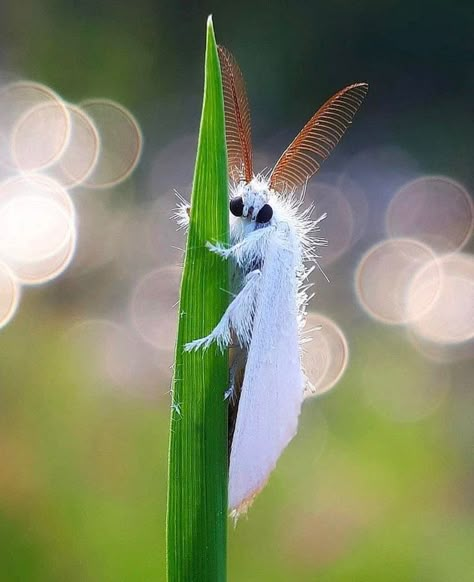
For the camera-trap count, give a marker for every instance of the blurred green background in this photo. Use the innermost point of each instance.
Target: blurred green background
(378, 484)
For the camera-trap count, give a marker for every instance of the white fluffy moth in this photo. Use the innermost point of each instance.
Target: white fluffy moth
(272, 251)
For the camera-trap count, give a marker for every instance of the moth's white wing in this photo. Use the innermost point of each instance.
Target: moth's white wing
(272, 390)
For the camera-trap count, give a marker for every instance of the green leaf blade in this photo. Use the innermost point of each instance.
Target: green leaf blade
(197, 492)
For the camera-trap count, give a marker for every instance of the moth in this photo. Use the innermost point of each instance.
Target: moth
(273, 250)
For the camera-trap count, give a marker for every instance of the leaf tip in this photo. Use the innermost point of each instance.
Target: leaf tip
(211, 37)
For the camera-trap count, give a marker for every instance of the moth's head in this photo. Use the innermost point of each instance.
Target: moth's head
(250, 201)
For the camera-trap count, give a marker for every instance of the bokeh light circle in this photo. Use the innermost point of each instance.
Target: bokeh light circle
(441, 353)
(384, 275)
(450, 318)
(41, 136)
(338, 226)
(80, 157)
(9, 294)
(120, 142)
(325, 356)
(37, 228)
(44, 143)
(433, 209)
(153, 307)
(32, 228)
(36, 185)
(45, 269)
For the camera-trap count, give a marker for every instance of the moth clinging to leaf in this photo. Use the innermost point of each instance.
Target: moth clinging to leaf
(272, 251)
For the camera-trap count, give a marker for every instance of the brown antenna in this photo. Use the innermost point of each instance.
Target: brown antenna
(303, 157)
(237, 118)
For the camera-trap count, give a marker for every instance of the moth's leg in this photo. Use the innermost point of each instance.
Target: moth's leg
(238, 318)
(236, 375)
(242, 247)
(250, 250)
(230, 392)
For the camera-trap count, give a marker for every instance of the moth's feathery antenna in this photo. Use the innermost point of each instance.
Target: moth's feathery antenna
(303, 157)
(237, 118)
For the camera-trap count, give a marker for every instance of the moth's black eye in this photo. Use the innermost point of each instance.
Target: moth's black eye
(237, 206)
(265, 214)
